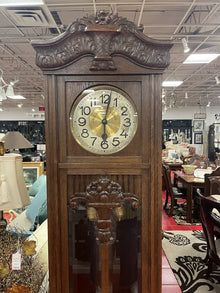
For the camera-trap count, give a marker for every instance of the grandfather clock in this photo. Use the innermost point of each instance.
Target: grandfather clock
(103, 134)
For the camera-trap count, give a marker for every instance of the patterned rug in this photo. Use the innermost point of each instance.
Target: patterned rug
(185, 251)
(179, 215)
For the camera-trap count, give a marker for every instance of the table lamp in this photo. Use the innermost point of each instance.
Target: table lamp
(13, 191)
(15, 140)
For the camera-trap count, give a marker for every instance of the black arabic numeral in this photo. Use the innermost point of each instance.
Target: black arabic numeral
(127, 122)
(82, 121)
(104, 144)
(85, 133)
(124, 110)
(93, 140)
(85, 110)
(124, 133)
(105, 98)
(115, 141)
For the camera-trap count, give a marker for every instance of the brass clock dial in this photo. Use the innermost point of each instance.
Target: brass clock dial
(103, 119)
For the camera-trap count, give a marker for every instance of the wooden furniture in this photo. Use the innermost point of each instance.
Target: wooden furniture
(103, 50)
(211, 226)
(172, 192)
(197, 160)
(186, 159)
(173, 166)
(212, 183)
(190, 183)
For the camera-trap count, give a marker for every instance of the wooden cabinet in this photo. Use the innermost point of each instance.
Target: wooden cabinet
(90, 190)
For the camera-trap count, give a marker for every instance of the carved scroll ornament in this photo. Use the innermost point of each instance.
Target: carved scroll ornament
(102, 36)
(103, 196)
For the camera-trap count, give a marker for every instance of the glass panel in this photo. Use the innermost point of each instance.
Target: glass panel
(89, 260)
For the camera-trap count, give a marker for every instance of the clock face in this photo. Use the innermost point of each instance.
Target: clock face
(103, 119)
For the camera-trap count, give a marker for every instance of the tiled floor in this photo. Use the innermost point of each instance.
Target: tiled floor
(169, 282)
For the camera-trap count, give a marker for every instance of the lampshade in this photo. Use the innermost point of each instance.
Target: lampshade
(2, 95)
(15, 140)
(10, 91)
(13, 191)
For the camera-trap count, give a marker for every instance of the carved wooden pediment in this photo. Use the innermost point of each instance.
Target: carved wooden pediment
(102, 36)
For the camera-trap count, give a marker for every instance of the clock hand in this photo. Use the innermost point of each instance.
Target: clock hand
(104, 121)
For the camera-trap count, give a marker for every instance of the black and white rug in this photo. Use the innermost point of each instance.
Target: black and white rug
(185, 251)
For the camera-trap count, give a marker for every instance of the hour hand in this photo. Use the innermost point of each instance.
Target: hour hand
(104, 135)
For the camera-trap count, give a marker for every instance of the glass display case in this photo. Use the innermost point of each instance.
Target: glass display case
(179, 131)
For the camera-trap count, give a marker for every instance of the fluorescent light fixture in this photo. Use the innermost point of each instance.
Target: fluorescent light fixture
(21, 2)
(17, 97)
(186, 95)
(172, 83)
(200, 58)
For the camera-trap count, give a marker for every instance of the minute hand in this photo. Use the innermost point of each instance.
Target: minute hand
(104, 121)
(109, 101)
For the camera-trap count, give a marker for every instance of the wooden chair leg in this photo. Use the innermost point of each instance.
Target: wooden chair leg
(172, 202)
(209, 269)
(166, 201)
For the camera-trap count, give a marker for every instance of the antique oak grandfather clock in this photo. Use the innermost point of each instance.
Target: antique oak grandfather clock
(103, 133)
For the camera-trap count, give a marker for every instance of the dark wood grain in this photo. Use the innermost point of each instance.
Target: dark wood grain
(126, 58)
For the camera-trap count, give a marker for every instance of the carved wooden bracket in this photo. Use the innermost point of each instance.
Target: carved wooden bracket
(102, 36)
(104, 196)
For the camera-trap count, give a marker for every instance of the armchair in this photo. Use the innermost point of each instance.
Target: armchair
(173, 192)
(210, 218)
(212, 183)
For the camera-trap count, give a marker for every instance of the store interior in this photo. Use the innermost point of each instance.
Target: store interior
(190, 89)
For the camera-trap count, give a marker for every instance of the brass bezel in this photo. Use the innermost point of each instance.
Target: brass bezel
(82, 95)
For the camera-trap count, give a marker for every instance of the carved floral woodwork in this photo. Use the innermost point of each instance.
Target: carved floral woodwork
(104, 196)
(102, 36)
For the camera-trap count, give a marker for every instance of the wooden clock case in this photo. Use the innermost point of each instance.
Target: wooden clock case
(103, 49)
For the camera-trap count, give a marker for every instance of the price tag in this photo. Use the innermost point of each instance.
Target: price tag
(16, 261)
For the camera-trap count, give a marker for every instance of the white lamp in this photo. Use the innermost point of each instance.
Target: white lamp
(13, 191)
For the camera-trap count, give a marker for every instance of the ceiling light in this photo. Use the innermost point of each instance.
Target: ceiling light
(186, 95)
(172, 83)
(33, 110)
(185, 45)
(16, 97)
(217, 80)
(20, 105)
(200, 58)
(1, 110)
(21, 2)
(208, 105)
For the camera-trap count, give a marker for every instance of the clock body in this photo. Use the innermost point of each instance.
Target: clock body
(103, 119)
(103, 144)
